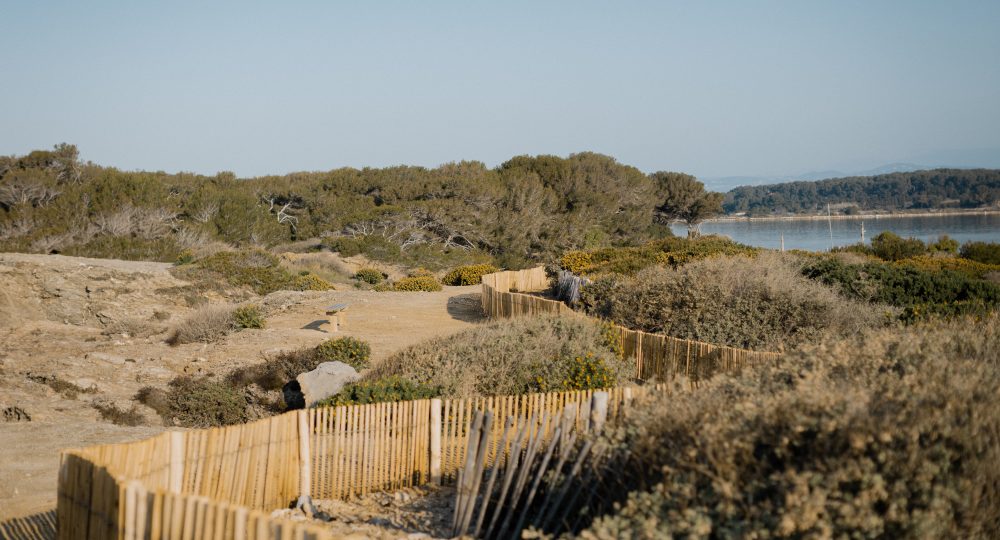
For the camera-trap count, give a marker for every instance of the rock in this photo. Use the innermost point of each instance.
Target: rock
(85, 383)
(313, 386)
(105, 357)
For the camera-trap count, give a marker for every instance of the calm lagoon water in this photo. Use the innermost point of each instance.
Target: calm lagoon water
(814, 235)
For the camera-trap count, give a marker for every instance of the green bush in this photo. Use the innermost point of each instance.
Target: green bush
(889, 246)
(944, 244)
(892, 434)
(351, 351)
(254, 268)
(389, 389)
(922, 292)
(372, 276)
(754, 303)
(511, 357)
(468, 275)
(118, 416)
(671, 251)
(417, 284)
(249, 316)
(196, 403)
(310, 282)
(984, 252)
(185, 257)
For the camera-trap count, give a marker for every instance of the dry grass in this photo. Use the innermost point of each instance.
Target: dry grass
(207, 324)
(893, 434)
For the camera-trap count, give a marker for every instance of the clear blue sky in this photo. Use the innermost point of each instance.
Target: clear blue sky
(709, 88)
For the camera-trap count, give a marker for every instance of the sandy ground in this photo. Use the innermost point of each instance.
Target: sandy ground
(71, 318)
(411, 513)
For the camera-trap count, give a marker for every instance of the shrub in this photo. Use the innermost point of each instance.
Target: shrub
(310, 282)
(249, 316)
(254, 268)
(508, 357)
(892, 434)
(587, 372)
(385, 286)
(984, 252)
(65, 388)
(351, 351)
(756, 303)
(388, 389)
(420, 272)
(185, 257)
(118, 416)
(672, 252)
(417, 284)
(889, 246)
(372, 276)
(274, 372)
(942, 292)
(468, 275)
(207, 324)
(966, 267)
(196, 403)
(944, 244)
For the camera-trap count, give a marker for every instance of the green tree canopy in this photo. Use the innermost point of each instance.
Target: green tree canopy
(681, 197)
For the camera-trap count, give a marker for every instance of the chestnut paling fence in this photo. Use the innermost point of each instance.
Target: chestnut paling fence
(224, 483)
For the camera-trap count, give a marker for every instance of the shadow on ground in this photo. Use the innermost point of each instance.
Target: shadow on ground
(40, 526)
(466, 307)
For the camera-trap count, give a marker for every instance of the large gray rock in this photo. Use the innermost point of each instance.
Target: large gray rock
(314, 386)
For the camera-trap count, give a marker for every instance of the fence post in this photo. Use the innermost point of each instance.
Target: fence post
(176, 461)
(436, 442)
(598, 411)
(305, 464)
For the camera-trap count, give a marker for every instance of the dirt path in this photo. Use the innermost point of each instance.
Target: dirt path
(57, 318)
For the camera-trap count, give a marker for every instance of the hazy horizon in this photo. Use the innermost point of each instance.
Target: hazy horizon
(715, 90)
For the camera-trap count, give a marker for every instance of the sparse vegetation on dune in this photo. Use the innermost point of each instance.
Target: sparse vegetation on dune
(894, 433)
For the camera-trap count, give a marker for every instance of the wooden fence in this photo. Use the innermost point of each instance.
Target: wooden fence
(222, 483)
(656, 356)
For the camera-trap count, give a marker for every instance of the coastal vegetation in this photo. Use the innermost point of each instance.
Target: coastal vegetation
(455, 214)
(923, 190)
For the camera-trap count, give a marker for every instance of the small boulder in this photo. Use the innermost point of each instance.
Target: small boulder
(314, 386)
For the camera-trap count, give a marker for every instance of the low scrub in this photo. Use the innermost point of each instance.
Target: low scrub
(371, 276)
(211, 323)
(197, 403)
(388, 389)
(115, 414)
(893, 434)
(983, 252)
(257, 269)
(249, 316)
(756, 303)
(417, 284)
(275, 371)
(673, 252)
(919, 291)
(468, 275)
(351, 351)
(512, 357)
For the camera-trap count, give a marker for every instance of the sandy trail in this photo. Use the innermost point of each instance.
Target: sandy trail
(54, 312)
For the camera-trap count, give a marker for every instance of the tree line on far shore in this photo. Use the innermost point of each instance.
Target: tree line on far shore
(931, 189)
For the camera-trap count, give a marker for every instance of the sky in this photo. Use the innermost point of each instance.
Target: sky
(708, 88)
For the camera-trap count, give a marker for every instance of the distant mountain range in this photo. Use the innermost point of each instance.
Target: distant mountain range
(727, 183)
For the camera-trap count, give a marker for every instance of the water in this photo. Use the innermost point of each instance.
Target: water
(814, 235)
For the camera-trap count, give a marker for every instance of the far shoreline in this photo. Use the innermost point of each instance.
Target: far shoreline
(875, 215)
